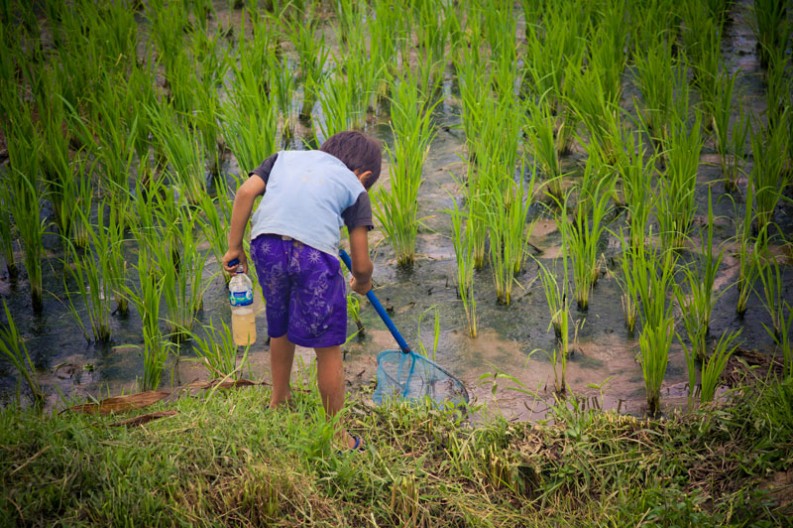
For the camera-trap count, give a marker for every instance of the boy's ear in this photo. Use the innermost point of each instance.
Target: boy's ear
(364, 177)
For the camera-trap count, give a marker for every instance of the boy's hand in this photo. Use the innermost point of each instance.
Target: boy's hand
(232, 254)
(361, 288)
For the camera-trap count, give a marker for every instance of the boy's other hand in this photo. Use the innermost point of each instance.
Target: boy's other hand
(359, 287)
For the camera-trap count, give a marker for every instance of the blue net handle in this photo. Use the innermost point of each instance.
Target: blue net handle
(379, 309)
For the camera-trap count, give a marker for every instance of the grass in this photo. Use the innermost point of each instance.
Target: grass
(225, 459)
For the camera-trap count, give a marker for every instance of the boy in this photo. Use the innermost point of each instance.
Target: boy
(294, 243)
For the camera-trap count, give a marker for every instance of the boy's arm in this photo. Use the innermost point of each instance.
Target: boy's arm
(240, 213)
(362, 266)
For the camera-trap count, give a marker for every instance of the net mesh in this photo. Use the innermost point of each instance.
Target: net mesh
(411, 376)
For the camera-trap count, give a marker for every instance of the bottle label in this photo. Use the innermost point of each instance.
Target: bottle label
(241, 298)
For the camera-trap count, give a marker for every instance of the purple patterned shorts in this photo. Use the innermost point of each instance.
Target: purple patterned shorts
(305, 291)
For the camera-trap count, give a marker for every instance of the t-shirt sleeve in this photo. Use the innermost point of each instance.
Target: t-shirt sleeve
(359, 214)
(263, 170)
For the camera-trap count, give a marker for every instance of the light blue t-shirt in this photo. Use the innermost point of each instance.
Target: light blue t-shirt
(307, 192)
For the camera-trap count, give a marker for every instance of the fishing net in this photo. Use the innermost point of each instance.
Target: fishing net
(410, 376)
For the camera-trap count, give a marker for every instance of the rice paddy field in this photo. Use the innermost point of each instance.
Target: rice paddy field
(584, 214)
(578, 198)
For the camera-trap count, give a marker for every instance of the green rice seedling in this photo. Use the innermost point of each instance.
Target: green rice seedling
(109, 233)
(655, 339)
(556, 294)
(212, 63)
(181, 262)
(146, 298)
(214, 219)
(701, 38)
(432, 25)
(714, 365)
(589, 100)
(217, 352)
(23, 180)
(583, 233)
(721, 112)
(91, 288)
(677, 201)
(771, 28)
(659, 78)
(630, 290)
(282, 88)
(769, 148)
(636, 168)
(784, 340)
(397, 207)
(308, 39)
(540, 129)
(248, 120)
(773, 289)
(697, 301)
(464, 258)
(184, 151)
(506, 221)
(651, 21)
(436, 332)
(747, 269)
(336, 102)
(607, 57)
(553, 47)
(7, 234)
(778, 88)
(15, 351)
(471, 78)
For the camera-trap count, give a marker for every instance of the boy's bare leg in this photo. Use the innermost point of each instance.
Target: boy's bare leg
(330, 379)
(282, 353)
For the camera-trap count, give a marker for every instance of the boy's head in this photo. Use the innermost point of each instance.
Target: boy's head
(359, 152)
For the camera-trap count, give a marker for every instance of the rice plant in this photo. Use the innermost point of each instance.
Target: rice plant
(309, 41)
(767, 178)
(698, 299)
(397, 207)
(630, 291)
(659, 78)
(92, 287)
(248, 119)
(464, 258)
(714, 365)
(582, 234)
(15, 351)
(784, 340)
(184, 152)
(747, 269)
(729, 140)
(146, 298)
(217, 352)
(771, 27)
(336, 100)
(557, 295)
(657, 333)
(772, 293)
(677, 203)
(23, 180)
(541, 131)
(506, 218)
(636, 168)
(7, 231)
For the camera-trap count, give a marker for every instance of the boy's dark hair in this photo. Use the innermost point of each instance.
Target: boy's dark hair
(358, 152)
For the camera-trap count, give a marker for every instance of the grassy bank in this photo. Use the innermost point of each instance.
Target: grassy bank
(222, 459)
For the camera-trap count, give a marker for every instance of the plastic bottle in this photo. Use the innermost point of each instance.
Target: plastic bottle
(243, 320)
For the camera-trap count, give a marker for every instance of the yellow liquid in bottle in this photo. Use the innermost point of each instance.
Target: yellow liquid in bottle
(243, 326)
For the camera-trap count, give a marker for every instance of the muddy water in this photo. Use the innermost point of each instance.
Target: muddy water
(507, 366)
